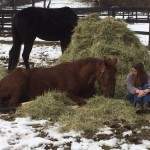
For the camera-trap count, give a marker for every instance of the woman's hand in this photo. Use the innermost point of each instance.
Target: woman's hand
(146, 91)
(141, 93)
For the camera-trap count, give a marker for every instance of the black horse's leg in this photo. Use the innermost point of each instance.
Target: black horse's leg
(26, 52)
(64, 44)
(14, 54)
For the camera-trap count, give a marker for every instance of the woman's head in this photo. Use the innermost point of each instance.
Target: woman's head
(137, 68)
(139, 74)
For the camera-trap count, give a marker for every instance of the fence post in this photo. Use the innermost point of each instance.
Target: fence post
(3, 20)
(14, 4)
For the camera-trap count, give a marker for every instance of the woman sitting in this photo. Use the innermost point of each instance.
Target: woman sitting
(138, 87)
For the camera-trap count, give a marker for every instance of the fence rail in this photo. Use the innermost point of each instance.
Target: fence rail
(129, 14)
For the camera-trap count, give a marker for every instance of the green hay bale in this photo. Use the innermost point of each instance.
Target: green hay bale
(108, 37)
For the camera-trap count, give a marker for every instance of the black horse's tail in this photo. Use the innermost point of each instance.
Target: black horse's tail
(14, 53)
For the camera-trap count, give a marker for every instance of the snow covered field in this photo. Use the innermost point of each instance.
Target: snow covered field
(26, 134)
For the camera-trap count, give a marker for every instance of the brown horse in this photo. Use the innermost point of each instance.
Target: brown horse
(76, 78)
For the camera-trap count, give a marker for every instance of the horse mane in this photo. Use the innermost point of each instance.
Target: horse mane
(87, 60)
(92, 60)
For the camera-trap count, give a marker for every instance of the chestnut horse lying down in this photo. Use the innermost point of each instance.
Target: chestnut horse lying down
(76, 78)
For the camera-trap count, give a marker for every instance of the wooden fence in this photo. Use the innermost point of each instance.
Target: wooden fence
(129, 14)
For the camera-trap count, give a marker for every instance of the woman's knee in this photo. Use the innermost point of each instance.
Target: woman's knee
(147, 98)
(146, 86)
(138, 99)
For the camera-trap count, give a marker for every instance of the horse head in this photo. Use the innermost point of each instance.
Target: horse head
(106, 76)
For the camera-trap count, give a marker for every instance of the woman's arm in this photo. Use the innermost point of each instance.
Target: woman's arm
(132, 89)
(130, 85)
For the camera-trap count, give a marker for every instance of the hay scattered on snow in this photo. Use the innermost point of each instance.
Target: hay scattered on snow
(98, 111)
(89, 118)
(50, 105)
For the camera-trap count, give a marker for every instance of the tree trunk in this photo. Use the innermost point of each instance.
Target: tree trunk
(44, 3)
(13, 4)
(48, 6)
(33, 3)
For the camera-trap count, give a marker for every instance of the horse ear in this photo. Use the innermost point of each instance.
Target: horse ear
(106, 61)
(109, 61)
(114, 61)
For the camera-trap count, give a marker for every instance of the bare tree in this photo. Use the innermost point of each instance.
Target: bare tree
(48, 6)
(44, 5)
(33, 3)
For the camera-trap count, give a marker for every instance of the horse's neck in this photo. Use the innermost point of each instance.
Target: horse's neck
(86, 72)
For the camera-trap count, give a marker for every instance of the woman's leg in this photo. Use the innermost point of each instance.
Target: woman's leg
(146, 99)
(138, 101)
(146, 105)
(146, 86)
(130, 97)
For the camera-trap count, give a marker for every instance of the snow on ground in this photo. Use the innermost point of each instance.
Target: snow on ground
(27, 134)
(41, 55)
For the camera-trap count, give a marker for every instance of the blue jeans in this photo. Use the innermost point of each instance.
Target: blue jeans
(135, 98)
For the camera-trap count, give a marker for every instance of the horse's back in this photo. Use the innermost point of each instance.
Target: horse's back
(47, 24)
(45, 79)
(54, 75)
(50, 13)
(13, 82)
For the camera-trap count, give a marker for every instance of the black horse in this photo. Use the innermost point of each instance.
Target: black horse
(47, 24)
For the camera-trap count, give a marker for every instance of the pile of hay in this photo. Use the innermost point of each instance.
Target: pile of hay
(108, 37)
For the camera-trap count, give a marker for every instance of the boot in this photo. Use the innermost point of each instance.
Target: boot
(146, 107)
(138, 108)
